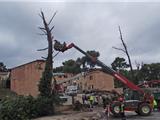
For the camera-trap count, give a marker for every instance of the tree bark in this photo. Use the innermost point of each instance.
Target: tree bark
(126, 51)
(45, 86)
(50, 41)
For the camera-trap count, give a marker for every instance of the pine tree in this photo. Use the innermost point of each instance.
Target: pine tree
(45, 82)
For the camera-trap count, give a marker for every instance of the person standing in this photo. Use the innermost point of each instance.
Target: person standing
(83, 99)
(122, 107)
(91, 100)
(155, 105)
(104, 101)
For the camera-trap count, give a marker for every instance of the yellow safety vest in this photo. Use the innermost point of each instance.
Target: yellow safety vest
(91, 98)
(154, 103)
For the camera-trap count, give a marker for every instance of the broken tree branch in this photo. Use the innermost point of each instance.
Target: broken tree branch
(56, 54)
(52, 18)
(44, 31)
(44, 57)
(41, 34)
(42, 28)
(40, 16)
(119, 49)
(50, 40)
(42, 49)
(51, 29)
(124, 45)
(126, 51)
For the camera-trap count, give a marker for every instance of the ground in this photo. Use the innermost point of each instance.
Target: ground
(97, 114)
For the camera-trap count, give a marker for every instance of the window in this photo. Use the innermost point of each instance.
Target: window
(92, 86)
(91, 77)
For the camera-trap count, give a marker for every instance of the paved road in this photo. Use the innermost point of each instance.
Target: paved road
(134, 116)
(97, 114)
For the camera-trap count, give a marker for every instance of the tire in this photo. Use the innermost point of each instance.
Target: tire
(115, 110)
(144, 109)
(137, 112)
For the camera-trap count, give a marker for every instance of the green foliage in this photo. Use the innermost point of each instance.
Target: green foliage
(149, 72)
(70, 66)
(58, 69)
(125, 73)
(48, 96)
(16, 109)
(25, 108)
(3, 67)
(86, 61)
(44, 106)
(45, 82)
(119, 64)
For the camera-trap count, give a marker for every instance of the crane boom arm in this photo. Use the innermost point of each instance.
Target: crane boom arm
(106, 69)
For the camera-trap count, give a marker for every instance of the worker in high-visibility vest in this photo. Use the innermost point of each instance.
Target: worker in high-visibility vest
(91, 100)
(122, 107)
(155, 104)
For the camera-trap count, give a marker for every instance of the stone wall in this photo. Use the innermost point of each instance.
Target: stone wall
(25, 78)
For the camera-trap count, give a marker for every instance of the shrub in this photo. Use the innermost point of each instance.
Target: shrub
(14, 109)
(25, 108)
(44, 106)
(77, 106)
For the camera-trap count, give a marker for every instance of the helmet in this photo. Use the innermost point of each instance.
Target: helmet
(120, 99)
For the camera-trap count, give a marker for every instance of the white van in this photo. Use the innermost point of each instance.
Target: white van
(71, 90)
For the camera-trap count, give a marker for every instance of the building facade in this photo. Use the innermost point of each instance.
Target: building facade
(62, 76)
(92, 80)
(25, 78)
(96, 80)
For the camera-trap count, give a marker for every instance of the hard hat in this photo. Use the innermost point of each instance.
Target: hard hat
(120, 99)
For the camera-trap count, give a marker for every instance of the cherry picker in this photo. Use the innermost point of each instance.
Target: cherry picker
(135, 99)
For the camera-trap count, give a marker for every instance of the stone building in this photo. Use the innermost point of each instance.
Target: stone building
(96, 80)
(25, 78)
(61, 76)
(92, 80)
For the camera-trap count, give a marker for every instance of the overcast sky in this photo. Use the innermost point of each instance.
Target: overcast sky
(90, 25)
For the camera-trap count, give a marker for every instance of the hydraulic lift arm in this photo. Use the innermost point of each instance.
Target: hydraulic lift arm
(63, 47)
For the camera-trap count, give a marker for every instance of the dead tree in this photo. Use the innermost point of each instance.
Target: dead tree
(125, 50)
(45, 87)
(48, 32)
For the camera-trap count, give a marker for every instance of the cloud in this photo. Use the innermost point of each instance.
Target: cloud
(90, 25)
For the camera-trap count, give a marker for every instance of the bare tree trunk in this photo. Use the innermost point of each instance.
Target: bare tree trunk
(50, 41)
(45, 86)
(125, 50)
